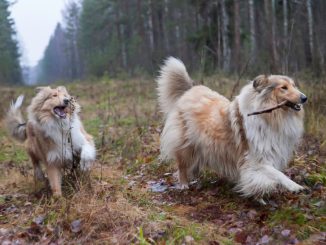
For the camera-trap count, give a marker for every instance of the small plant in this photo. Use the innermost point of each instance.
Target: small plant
(141, 239)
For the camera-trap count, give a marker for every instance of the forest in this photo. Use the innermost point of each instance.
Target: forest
(108, 53)
(132, 37)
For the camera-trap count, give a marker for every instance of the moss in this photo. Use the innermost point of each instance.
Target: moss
(312, 179)
(180, 232)
(288, 215)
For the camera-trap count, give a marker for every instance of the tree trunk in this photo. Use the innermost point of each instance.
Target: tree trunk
(120, 34)
(253, 45)
(165, 29)
(225, 38)
(150, 26)
(270, 36)
(285, 36)
(285, 18)
(274, 44)
(237, 41)
(311, 30)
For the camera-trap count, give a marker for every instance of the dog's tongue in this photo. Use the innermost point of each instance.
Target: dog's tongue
(60, 112)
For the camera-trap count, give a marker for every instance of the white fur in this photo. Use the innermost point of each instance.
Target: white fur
(18, 103)
(270, 148)
(15, 123)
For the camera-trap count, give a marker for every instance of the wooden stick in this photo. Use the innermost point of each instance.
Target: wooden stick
(269, 110)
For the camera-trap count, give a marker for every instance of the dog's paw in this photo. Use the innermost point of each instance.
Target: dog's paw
(295, 188)
(85, 165)
(182, 186)
(38, 175)
(261, 201)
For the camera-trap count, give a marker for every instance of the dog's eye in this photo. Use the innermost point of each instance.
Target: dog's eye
(55, 95)
(285, 88)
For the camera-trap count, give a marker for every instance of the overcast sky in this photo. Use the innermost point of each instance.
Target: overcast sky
(35, 22)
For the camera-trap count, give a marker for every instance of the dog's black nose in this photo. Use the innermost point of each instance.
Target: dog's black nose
(66, 101)
(303, 98)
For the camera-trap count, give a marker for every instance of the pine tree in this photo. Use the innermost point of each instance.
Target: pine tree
(10, 71)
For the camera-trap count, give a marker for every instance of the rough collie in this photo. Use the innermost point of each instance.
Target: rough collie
(53, 133)
(204, 130)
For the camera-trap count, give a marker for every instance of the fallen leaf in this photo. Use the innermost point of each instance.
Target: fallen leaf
(264, 239)
(241, 237)
(76, 226)
(252, 214)
(285, 233)
(189, 240)
(39, 220)
(158, 187)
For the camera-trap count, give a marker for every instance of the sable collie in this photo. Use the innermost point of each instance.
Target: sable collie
(53, 133)
(203, 129)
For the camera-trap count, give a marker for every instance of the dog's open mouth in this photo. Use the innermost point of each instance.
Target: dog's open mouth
(60, 111)
(296, 107)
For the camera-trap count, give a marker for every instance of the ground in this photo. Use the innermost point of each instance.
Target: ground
(130, 196)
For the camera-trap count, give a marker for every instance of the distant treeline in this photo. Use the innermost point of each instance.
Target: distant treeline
(132, 37)
(10, 71)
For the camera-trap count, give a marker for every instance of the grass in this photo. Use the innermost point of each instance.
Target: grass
(120, 208)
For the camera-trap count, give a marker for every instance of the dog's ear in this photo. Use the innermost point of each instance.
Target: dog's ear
(39, 89)
(260, 82)
(62, 89)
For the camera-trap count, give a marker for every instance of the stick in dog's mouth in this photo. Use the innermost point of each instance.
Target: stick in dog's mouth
(296, 107)
(60, 111)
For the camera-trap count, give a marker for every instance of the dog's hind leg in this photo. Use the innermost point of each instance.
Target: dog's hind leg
(184, 162)
(54, 175)
(38, 173)
(182, 173)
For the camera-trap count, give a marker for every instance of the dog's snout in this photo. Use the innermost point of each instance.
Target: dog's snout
(303, 98)
(66, 101)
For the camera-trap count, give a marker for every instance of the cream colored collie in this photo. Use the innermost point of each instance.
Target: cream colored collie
(53, 133)
(204, 130)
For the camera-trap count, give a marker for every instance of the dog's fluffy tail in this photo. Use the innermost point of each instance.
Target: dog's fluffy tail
(14, 120)
(173, 82)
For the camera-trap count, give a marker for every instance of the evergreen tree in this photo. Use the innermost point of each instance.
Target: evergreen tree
(10, 71)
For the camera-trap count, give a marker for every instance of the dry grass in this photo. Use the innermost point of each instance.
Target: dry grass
(119, 208)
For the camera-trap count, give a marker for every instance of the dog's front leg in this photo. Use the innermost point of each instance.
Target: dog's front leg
(54, 175)
(260, 179)
(286, 182)
(87, 156)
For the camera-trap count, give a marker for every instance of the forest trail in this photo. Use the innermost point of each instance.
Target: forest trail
(133, 198)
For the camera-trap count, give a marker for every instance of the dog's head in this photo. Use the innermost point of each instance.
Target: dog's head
(54, 103)
(280, 88)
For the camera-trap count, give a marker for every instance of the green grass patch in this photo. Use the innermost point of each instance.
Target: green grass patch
(16, 155)
(180, 232)
(157, 216)
(288, 215)
(312, 179)
(93, 126)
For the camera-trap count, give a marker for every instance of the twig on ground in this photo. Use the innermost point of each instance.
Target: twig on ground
(269, 110)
